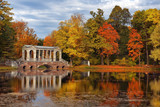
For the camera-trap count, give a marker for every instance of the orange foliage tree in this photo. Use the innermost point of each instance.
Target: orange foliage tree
(24, 36)
(48, 41)
(112, 37)
(134, 44)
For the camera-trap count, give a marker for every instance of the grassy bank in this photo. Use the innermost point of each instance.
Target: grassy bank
(6, 68)
(117, 68)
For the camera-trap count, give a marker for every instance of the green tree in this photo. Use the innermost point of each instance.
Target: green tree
(40, 42)
(155, 40)
(120, 18)
(6, 31)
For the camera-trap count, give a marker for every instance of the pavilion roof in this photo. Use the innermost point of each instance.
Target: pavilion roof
(40, 47)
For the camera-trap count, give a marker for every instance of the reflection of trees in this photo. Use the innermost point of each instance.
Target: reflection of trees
(15, 85)
(155, 87)
(124, 75)
(134, 92)
(112, 91)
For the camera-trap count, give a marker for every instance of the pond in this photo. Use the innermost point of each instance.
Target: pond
(80, 89)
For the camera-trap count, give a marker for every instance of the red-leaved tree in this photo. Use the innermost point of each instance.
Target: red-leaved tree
(134, 44)
(112, 37)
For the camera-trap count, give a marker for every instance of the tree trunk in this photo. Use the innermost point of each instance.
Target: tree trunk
(71, 63)
(147, 55)
(139, 58)
(147, 51)
(107, 59)
(102, 62)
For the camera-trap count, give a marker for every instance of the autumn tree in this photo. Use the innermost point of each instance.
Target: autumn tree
(155, 40)
(48, 41)
(134, 44)
(94, 41)
(69, 37)
(120, 19)
(24, 36)
(6, 31)
(145, 22)
(112, 37)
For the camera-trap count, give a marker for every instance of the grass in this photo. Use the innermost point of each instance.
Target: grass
(42, 67)
(2, 68)
(117, 68)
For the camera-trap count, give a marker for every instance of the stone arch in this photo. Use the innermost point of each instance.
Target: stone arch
(63, 67)
(24, 68)
(31, 67)
(57, 55)
(57, 68)
(31, 54)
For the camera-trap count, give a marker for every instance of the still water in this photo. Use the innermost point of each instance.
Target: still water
(82, 89)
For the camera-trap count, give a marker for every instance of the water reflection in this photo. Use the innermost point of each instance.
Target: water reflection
(74, 88)
(155, 87)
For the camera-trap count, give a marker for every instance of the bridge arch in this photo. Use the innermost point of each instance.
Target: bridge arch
(24, 68)
(31, 67)
(45, 66)
(63, 67)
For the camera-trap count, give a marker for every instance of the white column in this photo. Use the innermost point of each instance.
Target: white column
(54, 55)
(42, 55)
(34, 55)
(28, 55)
(23, 54)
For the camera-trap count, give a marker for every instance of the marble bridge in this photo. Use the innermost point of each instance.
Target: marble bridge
(35, 56)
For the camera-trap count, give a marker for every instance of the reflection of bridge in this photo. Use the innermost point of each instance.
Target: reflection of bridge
(37, 82)
(35, 56)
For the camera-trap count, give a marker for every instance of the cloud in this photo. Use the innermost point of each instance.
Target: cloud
(44, 15)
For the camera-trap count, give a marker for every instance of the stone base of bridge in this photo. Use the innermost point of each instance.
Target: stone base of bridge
(35, 65)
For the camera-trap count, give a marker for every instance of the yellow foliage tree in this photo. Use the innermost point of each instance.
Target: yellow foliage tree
(70, 37)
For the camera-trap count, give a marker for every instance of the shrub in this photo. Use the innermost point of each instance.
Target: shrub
(124, 62)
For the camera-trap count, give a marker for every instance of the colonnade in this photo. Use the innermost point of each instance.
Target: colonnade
(41, 53)
(31, 83)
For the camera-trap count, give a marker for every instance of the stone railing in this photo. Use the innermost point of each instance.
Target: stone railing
(64, 61)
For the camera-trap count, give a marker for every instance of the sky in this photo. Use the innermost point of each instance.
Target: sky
(44, 15)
